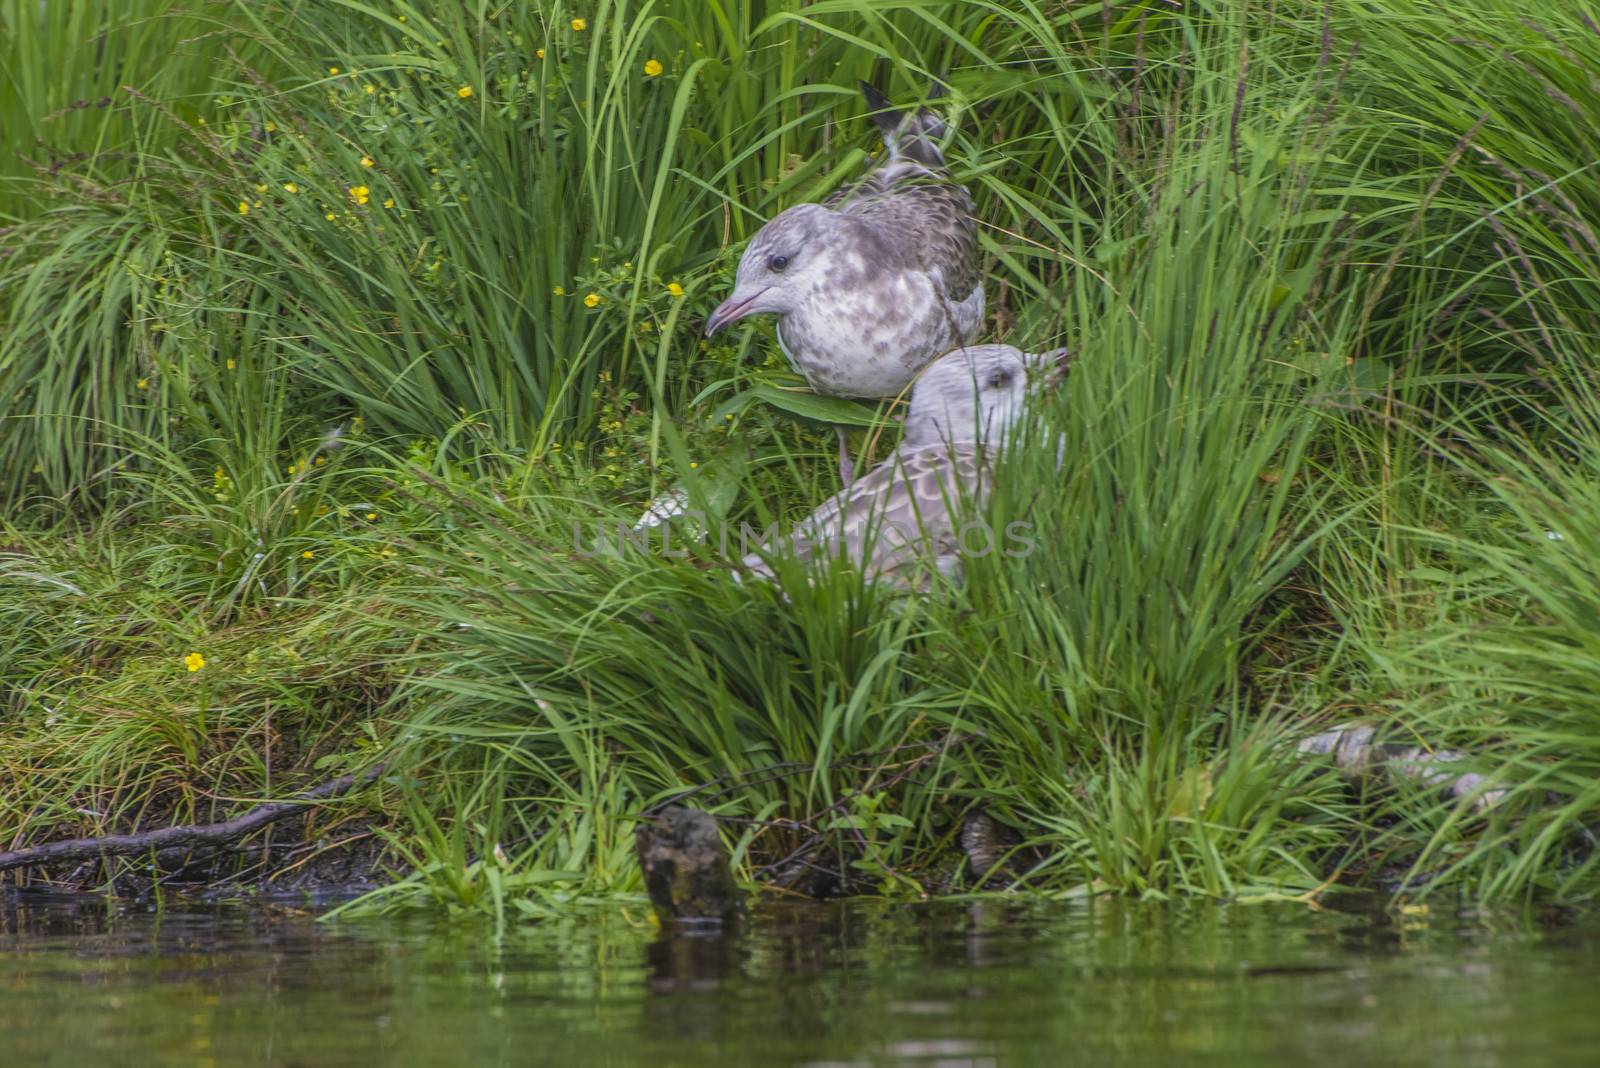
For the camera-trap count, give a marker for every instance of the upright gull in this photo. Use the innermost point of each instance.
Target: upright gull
(874, 283)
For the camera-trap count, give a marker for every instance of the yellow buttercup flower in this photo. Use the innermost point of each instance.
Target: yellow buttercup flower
(308, 554)
(333, 70)
(367, 161)
(194, 661)
(330, 216)
(358, 193)
(675, 289)
(560, 291)
(244, 207)
(465, 92)
(539, 53)
(290, 187)
(388, 202)
(372, 515)
(653, 67)
(370, 88)
(591, 300)
(580, 24)
(231, 363)
(143, 383)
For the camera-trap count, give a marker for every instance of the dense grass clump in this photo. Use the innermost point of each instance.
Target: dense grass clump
(346, 355)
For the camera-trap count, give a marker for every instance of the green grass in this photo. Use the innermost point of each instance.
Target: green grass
(318, 375)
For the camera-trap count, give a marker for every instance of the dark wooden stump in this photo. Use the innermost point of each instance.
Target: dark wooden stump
(988, 845)
(685, 867)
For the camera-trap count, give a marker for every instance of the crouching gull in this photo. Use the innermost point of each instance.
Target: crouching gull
(908, 510)
(874, 283)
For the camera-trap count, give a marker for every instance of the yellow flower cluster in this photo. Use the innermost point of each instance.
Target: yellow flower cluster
(359, 193)
(652, 68)
(194, 661)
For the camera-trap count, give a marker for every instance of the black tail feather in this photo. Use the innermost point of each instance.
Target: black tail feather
(884, 116)
(915, 136)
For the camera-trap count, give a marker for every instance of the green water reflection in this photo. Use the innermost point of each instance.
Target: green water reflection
(1106, 983)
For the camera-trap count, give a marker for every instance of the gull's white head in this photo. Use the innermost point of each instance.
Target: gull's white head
(976, 394)
(787, 258)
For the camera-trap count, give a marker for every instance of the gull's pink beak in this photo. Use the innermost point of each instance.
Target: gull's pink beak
(731, 310)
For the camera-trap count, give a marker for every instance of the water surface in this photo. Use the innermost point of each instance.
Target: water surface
(990, 984)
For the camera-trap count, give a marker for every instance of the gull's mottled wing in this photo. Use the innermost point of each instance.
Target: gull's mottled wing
(927, 216)
(933, 222)
(903, 512)
(911, 201)
(892, 176)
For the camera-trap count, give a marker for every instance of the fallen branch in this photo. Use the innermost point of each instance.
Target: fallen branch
(1357, 753)
(209, 834)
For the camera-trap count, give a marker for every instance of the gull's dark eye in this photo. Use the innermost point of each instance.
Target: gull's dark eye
(777, 263)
